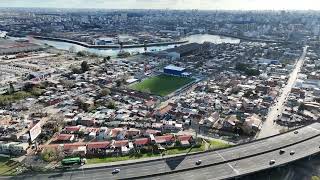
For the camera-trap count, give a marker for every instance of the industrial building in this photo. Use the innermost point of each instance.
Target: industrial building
(104, 41)
(174, 70)
(181, 51)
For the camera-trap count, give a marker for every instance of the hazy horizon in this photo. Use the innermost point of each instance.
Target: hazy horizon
(168, 4)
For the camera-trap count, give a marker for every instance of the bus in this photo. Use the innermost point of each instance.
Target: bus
(71, 161)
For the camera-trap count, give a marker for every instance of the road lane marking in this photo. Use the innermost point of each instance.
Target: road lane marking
(235, 170)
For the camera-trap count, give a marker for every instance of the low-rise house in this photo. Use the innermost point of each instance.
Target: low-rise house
(230, 123)
(248, 105)
(142, 143)
(104, 134)
(86, 121)
(185, 140)
(98, 147)
(72, 129)
(123, 146)
(171, 126)
(132, 132)
(65, 138)
(75, 149)
(118, 133)
(251, 125)
(211, 120)
(151, 131)
(13, 148)
(164, 140)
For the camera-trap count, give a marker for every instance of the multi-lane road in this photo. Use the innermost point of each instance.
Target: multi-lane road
(270, 128)
(220, 164)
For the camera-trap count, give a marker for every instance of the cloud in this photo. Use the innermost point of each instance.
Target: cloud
(167, 4)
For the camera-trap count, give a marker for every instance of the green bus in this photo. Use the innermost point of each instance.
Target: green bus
(71, 161)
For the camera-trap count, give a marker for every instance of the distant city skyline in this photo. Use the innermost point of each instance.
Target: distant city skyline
(169, 4)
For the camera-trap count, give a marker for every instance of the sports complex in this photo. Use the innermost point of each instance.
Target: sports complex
(164, 84)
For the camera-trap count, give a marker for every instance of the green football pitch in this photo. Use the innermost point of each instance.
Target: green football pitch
(161, 85)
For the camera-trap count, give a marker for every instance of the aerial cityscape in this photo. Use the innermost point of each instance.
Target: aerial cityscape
(159, 90)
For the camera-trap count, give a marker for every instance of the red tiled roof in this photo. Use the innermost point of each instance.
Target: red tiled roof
(64, 137)
(73, 146)
(54, 146)
(184, 137)
(98, 145)
(120, 143)
(142, 141)
(115, 131)
(72, 128)
(165, 138)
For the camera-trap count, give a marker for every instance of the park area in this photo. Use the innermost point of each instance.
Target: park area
(162, 85)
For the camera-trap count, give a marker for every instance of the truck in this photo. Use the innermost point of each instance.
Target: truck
(72, 161)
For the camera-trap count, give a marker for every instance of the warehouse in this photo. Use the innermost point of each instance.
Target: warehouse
(174, 70)
(184, 50)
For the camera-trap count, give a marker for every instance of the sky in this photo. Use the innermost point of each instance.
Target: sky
(170, 4)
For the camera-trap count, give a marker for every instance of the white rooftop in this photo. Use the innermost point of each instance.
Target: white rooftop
(173, 67)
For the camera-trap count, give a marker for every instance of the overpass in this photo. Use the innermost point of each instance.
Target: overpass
(226, 163)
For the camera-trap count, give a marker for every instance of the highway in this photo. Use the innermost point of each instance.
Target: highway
(270, 128)
(220, 164)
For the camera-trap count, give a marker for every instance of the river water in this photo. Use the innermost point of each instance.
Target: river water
(197, 38)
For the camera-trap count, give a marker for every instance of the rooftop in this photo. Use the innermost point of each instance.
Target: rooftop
(173, 67)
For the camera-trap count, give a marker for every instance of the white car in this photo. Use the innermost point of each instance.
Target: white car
(198, 162)
(116, 171)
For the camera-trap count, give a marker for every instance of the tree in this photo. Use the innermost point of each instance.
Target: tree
(76, 70)
(301, 107)
(81, 53)
(28, 87)
(105, 92)
(241, 66)
(84, 66)
(72, 49)
(247, 70)
(111, 105)
(50, 154)
(119, 83)
(105, 59)
(82, 105)
(11, 89)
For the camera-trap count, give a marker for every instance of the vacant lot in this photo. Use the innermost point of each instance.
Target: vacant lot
(161, 85)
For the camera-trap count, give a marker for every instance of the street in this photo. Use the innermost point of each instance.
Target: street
(270, 128)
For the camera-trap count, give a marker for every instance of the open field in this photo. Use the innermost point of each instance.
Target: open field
(8, 167)
(161, 85)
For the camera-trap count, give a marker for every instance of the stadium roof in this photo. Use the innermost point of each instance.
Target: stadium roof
(173, 67)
